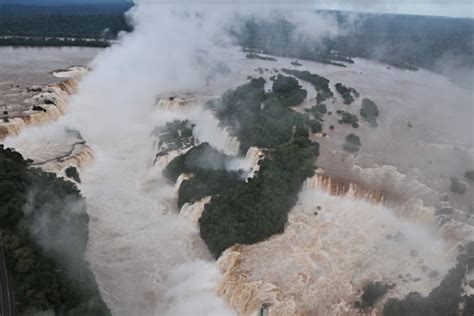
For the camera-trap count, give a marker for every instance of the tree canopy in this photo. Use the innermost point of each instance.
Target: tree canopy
(44, 232)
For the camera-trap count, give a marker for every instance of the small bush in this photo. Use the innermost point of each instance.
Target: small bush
(71, 172)
(369, 111)
(457, 187)
(348, 118)
(346, 93)
(38, 108)
(469, 175)
(352, 143)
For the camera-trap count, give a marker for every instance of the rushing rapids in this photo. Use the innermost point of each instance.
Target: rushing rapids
(361, 218)
(333, 245)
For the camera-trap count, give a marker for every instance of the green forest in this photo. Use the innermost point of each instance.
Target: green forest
(258, 209)
(61, 26)
(44, 228)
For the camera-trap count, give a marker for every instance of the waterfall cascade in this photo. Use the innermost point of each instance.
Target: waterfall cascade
(338, 238)
(52, 103)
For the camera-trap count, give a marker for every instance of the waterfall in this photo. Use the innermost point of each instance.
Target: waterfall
(58, 93)
(341, 186)
(253, 157)
(193, 211)
(209, 129)
(339, 236)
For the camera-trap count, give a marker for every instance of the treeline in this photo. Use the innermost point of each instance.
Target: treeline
(44, 228)
(400, 40)
(62, 25)
(52, 42)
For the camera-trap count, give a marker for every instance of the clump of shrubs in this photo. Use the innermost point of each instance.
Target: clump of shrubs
(321, 84)
(315, 126)
(369, 111)
(288, 90)
(38, 108)
(258, 118)
(457, 186)
(352, 143)
(348, 118)
(346, 93)
(469, 175)
(71, 172)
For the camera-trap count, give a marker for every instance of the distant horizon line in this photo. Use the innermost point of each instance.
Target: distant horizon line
(65, 3)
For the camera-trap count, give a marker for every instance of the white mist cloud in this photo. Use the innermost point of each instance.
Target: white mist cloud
(146, 258)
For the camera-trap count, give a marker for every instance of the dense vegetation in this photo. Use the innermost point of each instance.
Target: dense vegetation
(202, 157)
(52, 42)
(321, 84)
(61, 26)
(209, 174)
(348, 94)
(44, 232)
(317, 111)
(288, 91)
(443, 300)
(260, 119)
(207, 182)
(369, 111)
(257, 209)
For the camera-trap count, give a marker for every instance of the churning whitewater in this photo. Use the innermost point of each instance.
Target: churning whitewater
(362, 217)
